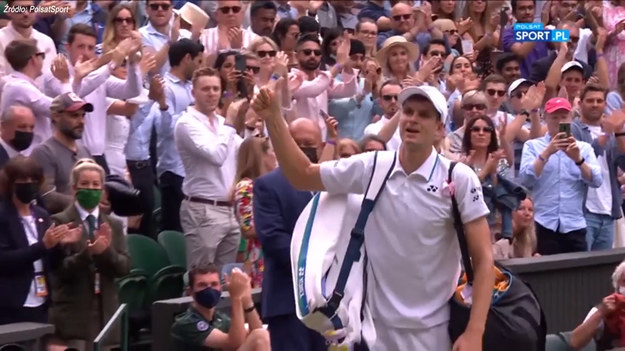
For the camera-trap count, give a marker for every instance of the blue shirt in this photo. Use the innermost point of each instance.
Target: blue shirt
(373, 11)
(87, 16)
(353, 117)
(560, 190)
(178, 97)
(613, 101)
(540, 50)
(286, 11)
(156, 40)
(138, 145)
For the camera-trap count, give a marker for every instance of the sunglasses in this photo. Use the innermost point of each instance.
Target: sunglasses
(469, 107)
(389, 97)
(478, 129)
(573, 40)
(519, 94)
(263, 53)
(155, 7)
(308, 52)
(499, 93)
(128, 20)
(400, 17)
(226, 9)
(41, 54)
(254, 69)
(452, 31)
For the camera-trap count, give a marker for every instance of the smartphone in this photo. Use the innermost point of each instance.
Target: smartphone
(240, 64)
(503, 17)
(467, 47)
(565, 128)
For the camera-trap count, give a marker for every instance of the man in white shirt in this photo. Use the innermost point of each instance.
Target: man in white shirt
(416, 270)
(16, 132)
(21, 27)
(208, 145)
(228, 34)
(96, 86)
(27, 62)
(605, 135)
(389, 92)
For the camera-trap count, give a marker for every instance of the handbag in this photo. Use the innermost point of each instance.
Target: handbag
(516, 321)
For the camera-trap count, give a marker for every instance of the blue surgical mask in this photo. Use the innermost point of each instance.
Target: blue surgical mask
(208, 297)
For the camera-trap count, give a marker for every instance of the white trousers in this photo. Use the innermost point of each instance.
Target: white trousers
(394, 339)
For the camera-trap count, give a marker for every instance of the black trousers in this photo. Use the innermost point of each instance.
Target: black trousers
(99, 159)
(24, 314)
(143, 179)
(551, 243)
(171, 197)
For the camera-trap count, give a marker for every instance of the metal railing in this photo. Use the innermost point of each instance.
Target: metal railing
(120, 315)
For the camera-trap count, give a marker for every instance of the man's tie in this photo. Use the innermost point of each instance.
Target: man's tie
(91, 221)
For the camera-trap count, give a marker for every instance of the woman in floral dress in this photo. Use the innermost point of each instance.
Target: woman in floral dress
(255, 158)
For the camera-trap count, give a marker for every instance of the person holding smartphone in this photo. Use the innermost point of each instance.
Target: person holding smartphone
(558, 170)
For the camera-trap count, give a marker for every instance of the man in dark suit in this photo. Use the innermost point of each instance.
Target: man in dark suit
(16, 132)
(277, 206)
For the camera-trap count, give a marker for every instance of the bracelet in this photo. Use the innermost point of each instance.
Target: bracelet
(331, 142)
(580, 162)
(540, 157)
(599, 56)
(620, 134)
(249, 309)
(535, 110)
(230, 125)
(338, 66)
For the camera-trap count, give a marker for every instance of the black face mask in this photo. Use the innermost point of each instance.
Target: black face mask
(26, 192)
(311, 153)
(22, 140)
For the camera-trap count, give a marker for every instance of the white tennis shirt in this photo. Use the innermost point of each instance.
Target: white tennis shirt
(414, 257)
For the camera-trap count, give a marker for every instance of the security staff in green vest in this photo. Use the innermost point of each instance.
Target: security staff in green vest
(201, 327)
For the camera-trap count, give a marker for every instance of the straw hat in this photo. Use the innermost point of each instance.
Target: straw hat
(397, 40)
(193, 15)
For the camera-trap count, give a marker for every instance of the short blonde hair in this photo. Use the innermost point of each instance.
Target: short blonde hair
(82, 165)
(260, 41)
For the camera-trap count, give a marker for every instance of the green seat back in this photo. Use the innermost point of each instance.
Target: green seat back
(132, 290)
(559, 342)
(146, 254)
(173, 243)
(157, 198)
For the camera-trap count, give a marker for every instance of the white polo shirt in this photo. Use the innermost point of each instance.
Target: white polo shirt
(414, 257)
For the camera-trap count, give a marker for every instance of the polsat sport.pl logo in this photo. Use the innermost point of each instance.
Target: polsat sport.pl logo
(535, 32)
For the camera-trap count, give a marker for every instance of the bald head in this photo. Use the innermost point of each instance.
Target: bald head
(403, 19)
(306, 134)
(18, 124)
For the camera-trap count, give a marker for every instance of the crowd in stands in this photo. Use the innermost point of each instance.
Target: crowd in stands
(110, 109)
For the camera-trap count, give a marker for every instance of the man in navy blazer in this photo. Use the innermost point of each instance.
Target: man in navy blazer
(277, 205)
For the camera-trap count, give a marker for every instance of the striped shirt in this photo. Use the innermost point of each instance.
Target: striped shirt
(210, 39)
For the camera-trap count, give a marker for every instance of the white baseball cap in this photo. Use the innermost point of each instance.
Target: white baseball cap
(572, 64)
(431, 93)
(514, 85)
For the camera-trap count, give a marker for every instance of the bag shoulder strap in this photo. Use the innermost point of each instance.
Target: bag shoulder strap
(458, 225)
(383, 164)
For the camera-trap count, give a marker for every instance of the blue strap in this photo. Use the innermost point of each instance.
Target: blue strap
(352, 253)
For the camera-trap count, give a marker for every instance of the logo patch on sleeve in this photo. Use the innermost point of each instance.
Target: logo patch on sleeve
(202, 326)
